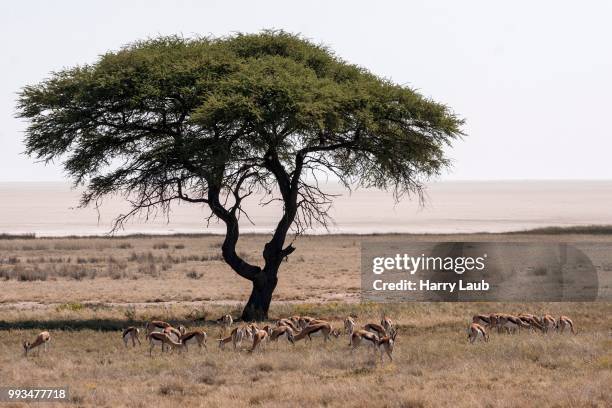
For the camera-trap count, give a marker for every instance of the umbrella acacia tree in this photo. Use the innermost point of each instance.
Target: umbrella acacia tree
(210, 121)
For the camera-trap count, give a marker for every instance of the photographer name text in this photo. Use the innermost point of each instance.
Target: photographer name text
(423, 264)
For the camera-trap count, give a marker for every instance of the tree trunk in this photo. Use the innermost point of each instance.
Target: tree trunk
(258, 305)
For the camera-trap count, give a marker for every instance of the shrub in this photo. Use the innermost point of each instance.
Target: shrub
(27, 275)
(148, 269)
(78, 274)
(70, 306)
(130, 313)
(174, 388)
(194, 275)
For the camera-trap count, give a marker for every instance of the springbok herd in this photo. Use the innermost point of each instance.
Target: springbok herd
(380, 337)
(511, 324)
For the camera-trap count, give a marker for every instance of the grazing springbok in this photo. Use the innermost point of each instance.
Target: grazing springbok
(363, 336)
(532, 321)
(324, 328)
(194, 337)
(548, 322)
(131, 333)
(304, 321)
(282, 330)
(376, 329)
(488, 321)
(162, 339)
(530, 316)
(43, 338)
(288, 322)
(477, 332)
(259, 337)
(156, 326)
(511, 323)
(564, 322)
(386, 343)
(494, 321)
(235, 337)
(174, 333)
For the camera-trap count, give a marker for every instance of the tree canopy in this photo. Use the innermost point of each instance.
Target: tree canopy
(212, 120)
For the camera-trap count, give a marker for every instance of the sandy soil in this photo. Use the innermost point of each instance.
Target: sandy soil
(189, 268)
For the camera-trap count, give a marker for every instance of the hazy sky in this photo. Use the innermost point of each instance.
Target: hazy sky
(533, 79)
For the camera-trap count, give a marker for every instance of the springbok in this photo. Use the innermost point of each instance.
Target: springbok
(494, 321)
(156, 338)
(236, 337)
(376, 329)
(477, 332)
(288, 322)
(43, 338)
(532, 321)
(365, 336)
(259, 337)
(324, 328)
(131, 333)
(511, 323)
(349, 326)
(192, 337)
(485, 320)
(282, 330)
(385, 344)
(173, 333)
(226, 322)
(386, 323)
(564, 322)
(156, 326)
(548, 322)
(530, 316)
(304, 321)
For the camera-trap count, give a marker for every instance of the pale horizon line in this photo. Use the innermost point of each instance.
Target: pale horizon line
(494, 180)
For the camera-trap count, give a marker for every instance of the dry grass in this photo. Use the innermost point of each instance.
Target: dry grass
(139, 269)
(85, 287)
(433, 363)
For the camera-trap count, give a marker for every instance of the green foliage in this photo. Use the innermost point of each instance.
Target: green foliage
(198, 109)
(197, 119)
(213, 120)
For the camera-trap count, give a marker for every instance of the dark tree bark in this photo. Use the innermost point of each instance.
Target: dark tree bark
(258, 304)
(265, 280)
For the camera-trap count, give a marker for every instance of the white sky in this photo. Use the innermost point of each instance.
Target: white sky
(532, 78)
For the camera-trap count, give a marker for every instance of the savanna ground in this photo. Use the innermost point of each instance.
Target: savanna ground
(85, 290)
